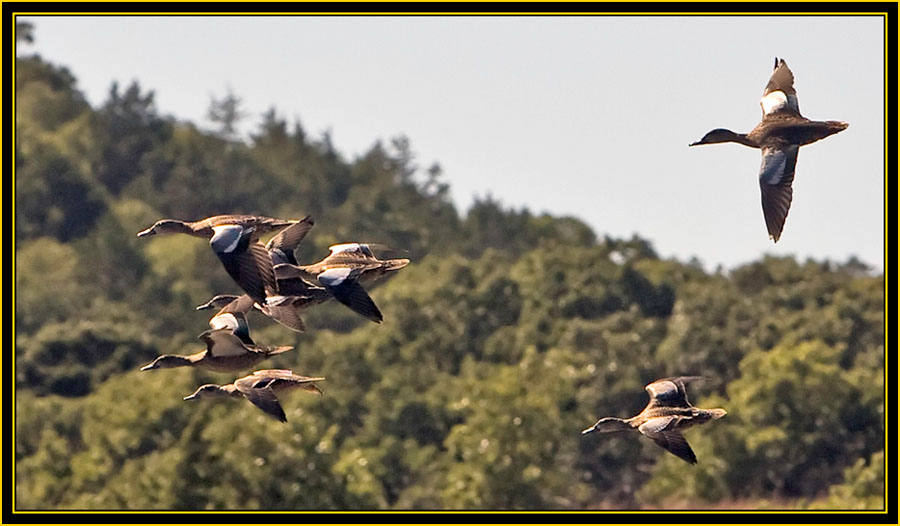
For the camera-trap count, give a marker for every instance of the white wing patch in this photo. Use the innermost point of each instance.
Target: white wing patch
(662, 389)
(359, 248)
(344, 247)
(226, 238)
(275, 301)
(225, 320)
(773, 102)
(333, 277)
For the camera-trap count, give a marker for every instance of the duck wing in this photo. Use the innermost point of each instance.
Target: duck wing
(668, 392)
(359, 249)
(270, 374)
(241, 304)
(223, 342)
(663, 431)
(294, 286)
(776, 174)
(679, 382)
(341, 283)
(257, 390)
(236, 322)
(281, 247)
(276, 379)
(779, 95)
(246, 261)
(259, 224)
(287, 316)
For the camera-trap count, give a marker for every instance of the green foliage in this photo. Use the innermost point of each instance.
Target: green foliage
(46, 95)
(506, 336)
(104, 451)
(69, 358)
(53, 196)
(49, 284)
(509, 451)
(862, 489)
(487, 224)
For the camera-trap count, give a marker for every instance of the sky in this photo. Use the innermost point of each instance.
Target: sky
(581, 116)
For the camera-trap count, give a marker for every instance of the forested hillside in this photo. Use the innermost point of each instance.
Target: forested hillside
(508, 334)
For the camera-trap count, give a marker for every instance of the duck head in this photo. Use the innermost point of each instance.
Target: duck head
(217, 302)
(210, 391)
(608, 425)
(166, 361)
(165, 226)
(720, 135)
(715, 136)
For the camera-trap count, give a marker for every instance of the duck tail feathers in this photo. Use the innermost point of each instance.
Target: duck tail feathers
(715, 414)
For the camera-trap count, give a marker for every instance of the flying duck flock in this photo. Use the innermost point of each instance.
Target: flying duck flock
(279, 287)
(276, 285)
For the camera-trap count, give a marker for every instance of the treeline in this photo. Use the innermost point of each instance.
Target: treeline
(508, 334)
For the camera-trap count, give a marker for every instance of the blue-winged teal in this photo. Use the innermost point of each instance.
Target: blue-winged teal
(283, 308)
(234, 239)
(225, 352)
(341, 273)
(283, 244)
(232, 315)
(262, 389)
(664, 417)
(779, 135)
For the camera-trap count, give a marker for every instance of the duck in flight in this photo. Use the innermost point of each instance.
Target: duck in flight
(235, 240)
(225, 352)
(779, 136)
(232, 315)
(284, 309)
(262, 389)
(662, 420)
(342, 272)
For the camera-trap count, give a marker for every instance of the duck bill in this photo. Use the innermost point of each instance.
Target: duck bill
(150, 366)
(589, 430)
(190, 397)
(146, 232)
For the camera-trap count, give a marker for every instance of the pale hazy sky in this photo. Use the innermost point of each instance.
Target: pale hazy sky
(582, 116)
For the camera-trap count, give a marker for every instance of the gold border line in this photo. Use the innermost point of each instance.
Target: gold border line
(2, 266)
(887, 376)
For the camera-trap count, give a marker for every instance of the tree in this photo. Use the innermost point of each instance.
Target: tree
(226, 113)
(24, 32)
(130, 134)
